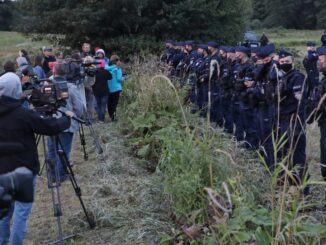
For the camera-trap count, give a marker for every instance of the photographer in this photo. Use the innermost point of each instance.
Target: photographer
(74, 104)
(18, 124)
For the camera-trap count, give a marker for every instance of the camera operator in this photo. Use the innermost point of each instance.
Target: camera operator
(74, 73)
(74, 104)
(18, 124)
(89, 81)
(86, 50)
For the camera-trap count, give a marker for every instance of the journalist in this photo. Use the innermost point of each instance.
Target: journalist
(18, 124)
(74, 104)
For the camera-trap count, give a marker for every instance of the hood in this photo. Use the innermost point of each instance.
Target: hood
(10, 85)
(8, 104)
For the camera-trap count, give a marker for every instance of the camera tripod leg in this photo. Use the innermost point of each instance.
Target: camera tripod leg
(93, 133)
(83, 140)
(65, 161)
(95, 138)
(54, 184)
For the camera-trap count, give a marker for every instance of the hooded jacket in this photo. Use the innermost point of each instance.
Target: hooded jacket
(115, 84)
(18, 125)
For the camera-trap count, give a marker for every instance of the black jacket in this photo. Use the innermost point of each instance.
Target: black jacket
(321, 114)
(101, 87)
(18, 125)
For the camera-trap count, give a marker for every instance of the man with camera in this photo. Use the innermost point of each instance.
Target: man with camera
(19, 125)
(74, 104)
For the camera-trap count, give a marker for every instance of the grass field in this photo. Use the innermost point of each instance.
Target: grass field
(124, 198)
(12, 42)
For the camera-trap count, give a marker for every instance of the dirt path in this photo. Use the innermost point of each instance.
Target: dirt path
(123, 197)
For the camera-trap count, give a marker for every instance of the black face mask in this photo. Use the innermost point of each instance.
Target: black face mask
(254, 59)
(286, 67)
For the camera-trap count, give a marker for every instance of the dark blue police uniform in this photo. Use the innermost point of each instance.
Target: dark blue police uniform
(291, 94)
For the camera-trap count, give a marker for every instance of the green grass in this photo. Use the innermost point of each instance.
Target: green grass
(293, 39)
(12, 42)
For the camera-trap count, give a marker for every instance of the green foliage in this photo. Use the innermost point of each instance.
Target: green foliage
(7, 14)
(134, 25)
(190, 156)
(302, 14)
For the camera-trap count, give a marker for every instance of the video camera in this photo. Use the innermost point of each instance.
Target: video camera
(91, 68)
(48, 95)
(17, 185)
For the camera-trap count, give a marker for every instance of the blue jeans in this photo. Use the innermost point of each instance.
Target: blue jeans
(25, 104)
(101, 102)
(20, 211)
(66, 141)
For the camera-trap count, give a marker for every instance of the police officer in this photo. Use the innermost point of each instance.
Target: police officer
(310, 64)
(203, 78)
(242, 65)
(263, 98)
(187, 61)
(168, 53)
(192, 52)
(193, 60)
(249, 118)
(213, 71)
(291, 101)
(227, 69)
(178, 56)
(253, 55)
(322, 109)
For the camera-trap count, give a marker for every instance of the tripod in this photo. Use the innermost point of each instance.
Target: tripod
(54, 184)
(93, 134)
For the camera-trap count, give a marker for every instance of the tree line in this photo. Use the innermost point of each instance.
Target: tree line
(141, 24)
(292, 14)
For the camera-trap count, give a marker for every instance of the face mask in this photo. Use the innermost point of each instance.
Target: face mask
(286, 67)
(254, 59)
